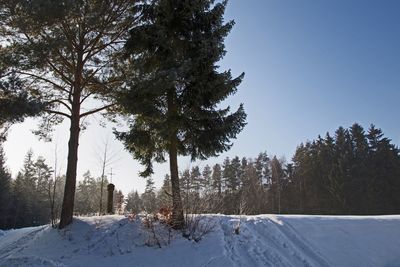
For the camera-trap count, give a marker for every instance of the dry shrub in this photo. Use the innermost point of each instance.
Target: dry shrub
(158, 233)
(165, 215)
(197, 226)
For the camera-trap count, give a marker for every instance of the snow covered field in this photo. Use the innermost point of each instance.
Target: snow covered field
(264, 240)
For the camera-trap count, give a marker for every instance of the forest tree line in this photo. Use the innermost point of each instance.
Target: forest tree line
(352, 172)
(35, 195)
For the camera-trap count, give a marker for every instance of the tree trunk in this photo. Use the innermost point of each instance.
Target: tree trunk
(70, 181)
(177, 210)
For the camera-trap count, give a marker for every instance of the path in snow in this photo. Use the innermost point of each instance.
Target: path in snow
(273, 243)
(19, 242)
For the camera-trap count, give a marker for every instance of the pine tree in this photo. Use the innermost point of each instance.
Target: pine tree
(252, 198)
(236, 173)
(19, 203)
(206, 181)
(149, 197)
(118, 201)
(383, 167)
(186, 186)
(86, 200)
(174, 87)
(231, 201)
(262, 167)
(195, 179)
(228, 175)
(359, 171)
(164, 194)
(217, 179)
(134, 203)
(43, 174)
(339, 178)
(243, 168)
(29, 188)
(64, 53)
(277, 176)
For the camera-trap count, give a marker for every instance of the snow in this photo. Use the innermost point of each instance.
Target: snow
(263, 240)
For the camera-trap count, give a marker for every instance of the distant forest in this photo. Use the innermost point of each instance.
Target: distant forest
(350, 172)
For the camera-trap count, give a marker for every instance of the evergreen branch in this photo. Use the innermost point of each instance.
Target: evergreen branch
(70, 38)
(95, 50)
(66, 79)
(64, 60)
(108, 20)
(58, 52)
(86, 80)
(44, 79)
(98, 37)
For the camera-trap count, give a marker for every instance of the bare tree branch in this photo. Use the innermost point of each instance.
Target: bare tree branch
(57, 112)
(95, 110)
(61, 102)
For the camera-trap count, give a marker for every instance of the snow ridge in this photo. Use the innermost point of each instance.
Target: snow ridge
(263, 240)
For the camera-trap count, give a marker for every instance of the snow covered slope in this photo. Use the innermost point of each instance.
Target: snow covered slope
(264, 240)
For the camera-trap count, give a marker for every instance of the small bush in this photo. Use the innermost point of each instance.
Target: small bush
(158, 233)
(197, 226)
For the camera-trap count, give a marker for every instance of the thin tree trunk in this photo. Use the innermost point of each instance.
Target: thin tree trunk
(102, 179)
(301, 198)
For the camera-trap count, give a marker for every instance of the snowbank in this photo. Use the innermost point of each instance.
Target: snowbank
(264, 240)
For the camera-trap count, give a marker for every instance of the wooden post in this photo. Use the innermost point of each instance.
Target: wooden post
(110, 189)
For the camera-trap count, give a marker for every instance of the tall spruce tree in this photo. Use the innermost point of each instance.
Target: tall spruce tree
(195, 179)
(164, 194)
(63, 52)
(277, 176)
(217, 179)
(174, 92)
(206, 179)
(149, 196)
(133, 202)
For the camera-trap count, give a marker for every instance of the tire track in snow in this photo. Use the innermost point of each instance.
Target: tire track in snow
(237, 247)
(19, 244)
(269, 246)
(266, 242)
(302, 244)
(285, 242)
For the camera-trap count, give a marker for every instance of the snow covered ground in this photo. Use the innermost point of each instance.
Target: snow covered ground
(264, 240)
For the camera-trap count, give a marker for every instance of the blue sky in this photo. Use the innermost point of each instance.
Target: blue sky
(310, 66)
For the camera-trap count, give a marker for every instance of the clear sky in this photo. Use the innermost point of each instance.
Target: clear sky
(310, 66)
